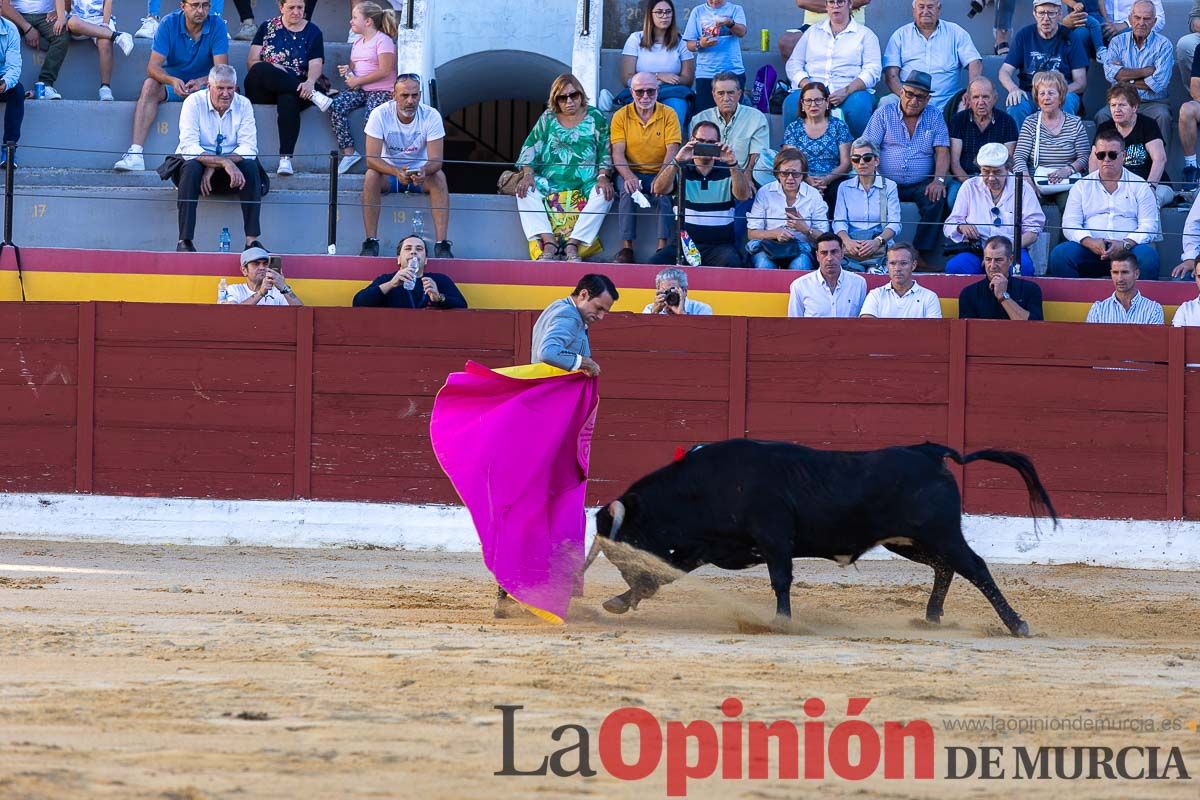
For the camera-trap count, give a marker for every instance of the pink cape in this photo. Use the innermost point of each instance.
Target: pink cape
(515, 443)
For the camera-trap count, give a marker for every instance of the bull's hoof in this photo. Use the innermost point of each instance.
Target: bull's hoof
(616, 605)
(933, 619)
(1021, 629)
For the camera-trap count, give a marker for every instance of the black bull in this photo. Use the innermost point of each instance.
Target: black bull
(739, 503)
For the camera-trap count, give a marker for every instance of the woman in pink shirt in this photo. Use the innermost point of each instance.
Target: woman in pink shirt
(370, 76)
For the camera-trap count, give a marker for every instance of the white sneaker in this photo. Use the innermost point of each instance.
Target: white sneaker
(130, 162)
(605, 103)
(124, 42)
(106, 93)
(347, 163)
(285, 166)
(148, 29)
(321, 100)
(246, 32)
(50, 93)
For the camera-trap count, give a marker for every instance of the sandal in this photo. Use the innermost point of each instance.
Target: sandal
(549, 252)
(571, 252)
(1001, 48)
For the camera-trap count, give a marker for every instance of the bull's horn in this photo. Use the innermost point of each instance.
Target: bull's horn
(617, 509)
(591, 556)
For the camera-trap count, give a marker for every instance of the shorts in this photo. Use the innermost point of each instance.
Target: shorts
(95, 19)
(171, 96)
(394, 186)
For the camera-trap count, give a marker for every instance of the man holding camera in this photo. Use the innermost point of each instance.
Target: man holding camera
(671, 287)
(264, 286)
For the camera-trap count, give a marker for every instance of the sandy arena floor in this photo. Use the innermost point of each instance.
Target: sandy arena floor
(184, 673)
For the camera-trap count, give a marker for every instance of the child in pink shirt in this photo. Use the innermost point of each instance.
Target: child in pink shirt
(370, 77)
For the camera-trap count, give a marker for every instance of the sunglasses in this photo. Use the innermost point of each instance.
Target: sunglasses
(644, 92)
(408, 76)
(866, 158)
(789, 173)
(1107, 155)
(913, 95)
(571, 95)
(996, 220)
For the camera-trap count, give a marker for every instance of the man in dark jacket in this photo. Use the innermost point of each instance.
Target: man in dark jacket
(1000, 295)
(425, 289)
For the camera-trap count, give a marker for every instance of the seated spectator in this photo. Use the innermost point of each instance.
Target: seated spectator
(787, 217)
(92, 19)
(1052, 146)
(645, 135)
(1044, 46)
(1189, 119)
(1188, 313)
(405, 141)
(12, 93)
(187, 44)
(867, 215)
(218, 143)
(1084, 21)
(1000, 295)
(931, 45)
(1142, 59)
(1191, 244)
(1111, 212)
(1185, 48)
(743, 128)
(658, 48)
(370, 76)
(828, 291)
(1145, 151)
(1116, 17)
(285, 63)
(671, 296)
(901, 297)
(985, 209)
(714, 31)
(264, 286)
(410, 286)
(36, 19)
(973, 127)
(814, 14)
(914, 151)
(843, 55)
(824, 140)
(711, 189)
(566, 152)
(1126, 304)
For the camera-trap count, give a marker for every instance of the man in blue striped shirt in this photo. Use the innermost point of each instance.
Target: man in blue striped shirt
(1144, 58)
(1126, 304)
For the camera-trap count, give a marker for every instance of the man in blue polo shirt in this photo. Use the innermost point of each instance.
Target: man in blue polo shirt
(187, 45)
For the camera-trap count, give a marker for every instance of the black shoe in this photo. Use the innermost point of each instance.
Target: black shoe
(256, 243)
(442, 249)
(370, 248)
(185, 246)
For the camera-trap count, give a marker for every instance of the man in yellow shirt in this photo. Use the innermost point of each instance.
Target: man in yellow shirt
(645, 135)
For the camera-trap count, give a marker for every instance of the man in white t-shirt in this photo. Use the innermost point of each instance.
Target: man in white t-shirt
(404, 154)
(902, 297)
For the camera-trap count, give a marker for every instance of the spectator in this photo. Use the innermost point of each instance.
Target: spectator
(560, 335)
(405, 141)
(828, 291)
(93, 19)
(1084, 20)
(1185, 49)
(814, 14)
(1141, 58)
(843, 55)
(901, 297)
(1188, 313)
(645, 135)
(658, 48)
(11, 90)
(867, 215)
(1052, 145)
(150, 23)
(985, 208)
(1044, 46)
(914, 148)
(975, 126)
(218, 144)
(671, 296)
(247, 30)
(1145, 152)
(713, 33)
(824, 140)
(428, 289)
(187, 44)
(711, 188)
(1126, 304)
(264, 286)
(285, 63)
(787, 217)
(1109, 213)
(36, 19)
(743, 128)
(1000, 295)
(1189, 118)
(930, 44)
(567, 151)
(1191, 244)
(370, 76)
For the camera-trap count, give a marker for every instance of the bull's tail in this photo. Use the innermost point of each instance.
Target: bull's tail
(1039, 499)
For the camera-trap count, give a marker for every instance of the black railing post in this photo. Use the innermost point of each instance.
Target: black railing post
(1018, 205)
(408, 22)
(586, 28)
(333, 202)
(10, 151)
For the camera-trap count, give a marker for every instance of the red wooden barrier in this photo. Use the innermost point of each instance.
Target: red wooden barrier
(161, 400)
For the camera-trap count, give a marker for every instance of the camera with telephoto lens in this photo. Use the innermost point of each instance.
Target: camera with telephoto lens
(672, 298)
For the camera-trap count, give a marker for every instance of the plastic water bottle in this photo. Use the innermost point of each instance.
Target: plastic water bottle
(418, 225)
(691, 253)
(223, 246)
(414, 263)
(223, 291)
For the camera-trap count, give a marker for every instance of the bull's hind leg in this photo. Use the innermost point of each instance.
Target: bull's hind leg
(780, 570)
(967, 563)
(942, 576)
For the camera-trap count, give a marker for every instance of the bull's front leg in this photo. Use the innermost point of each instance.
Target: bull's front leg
(780, 570)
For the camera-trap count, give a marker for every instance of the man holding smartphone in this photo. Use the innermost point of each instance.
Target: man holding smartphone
(264, 286)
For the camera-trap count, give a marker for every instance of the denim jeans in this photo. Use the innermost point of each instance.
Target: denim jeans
(1072, 260)
(971, 264)
(1026, 107)
(857, 109)
(704, 98)
(627, 213)
(760, 260)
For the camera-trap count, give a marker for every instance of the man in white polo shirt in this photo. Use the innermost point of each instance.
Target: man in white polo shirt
(902, 297)
(829, 290)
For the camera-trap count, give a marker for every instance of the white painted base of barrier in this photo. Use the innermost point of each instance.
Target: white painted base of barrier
(1138, 544)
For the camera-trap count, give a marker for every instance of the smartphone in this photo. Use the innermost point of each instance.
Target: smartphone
(275, 262)
(705, 150)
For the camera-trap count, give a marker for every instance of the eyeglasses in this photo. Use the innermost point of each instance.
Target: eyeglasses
(910, 95)
(571, 95)
(1046, 14)
(813, 101)
(790, 174)
(643, 92)
(996, 220)
(663, 12)
(866, 158)
(1107, 155)
(708, 141)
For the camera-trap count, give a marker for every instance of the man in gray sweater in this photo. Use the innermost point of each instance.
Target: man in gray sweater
(560, 336)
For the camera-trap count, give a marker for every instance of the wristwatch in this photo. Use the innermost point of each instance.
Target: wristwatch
(1005, 296)
(940, 179)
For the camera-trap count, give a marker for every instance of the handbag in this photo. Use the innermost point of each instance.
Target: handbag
(780, 251)
(507, 183)
(1041, 175)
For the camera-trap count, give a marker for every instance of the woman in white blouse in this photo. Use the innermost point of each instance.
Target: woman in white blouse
(787, 216)
(659, 48)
